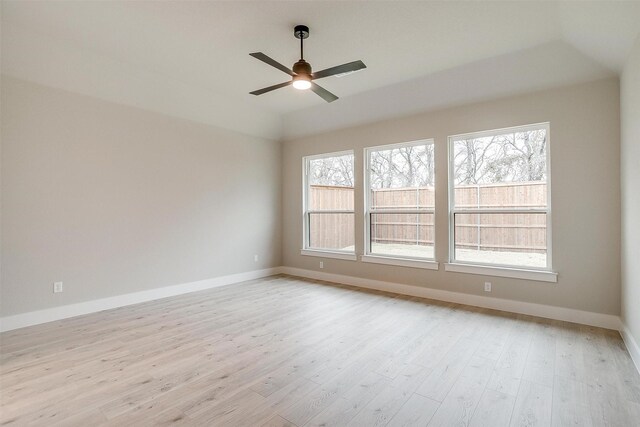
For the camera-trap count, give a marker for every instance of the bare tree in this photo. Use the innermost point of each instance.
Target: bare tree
(336, 171)
(526, 157)
(472, 158)
(515, 157)
(403, 167)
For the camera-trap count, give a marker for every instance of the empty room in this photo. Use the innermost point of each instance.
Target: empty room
(319, 213)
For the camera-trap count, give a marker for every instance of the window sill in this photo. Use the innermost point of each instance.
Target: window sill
(329, 254)
(515, 273)
(402, 262)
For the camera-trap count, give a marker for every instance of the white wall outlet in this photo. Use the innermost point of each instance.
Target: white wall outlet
(57, 287)
(487, 286)
(255, 258)
(321, 264)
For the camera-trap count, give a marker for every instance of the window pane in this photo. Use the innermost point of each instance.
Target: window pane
(504, 238)
(504, 170)
(331, 183)
(402, 234)
(331, 231)
(402, 177)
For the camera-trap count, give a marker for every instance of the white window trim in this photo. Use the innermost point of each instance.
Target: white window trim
(348, 256)
(402, 262)
(428, 263)
(523, 272)
(306, 249)
(496, 271)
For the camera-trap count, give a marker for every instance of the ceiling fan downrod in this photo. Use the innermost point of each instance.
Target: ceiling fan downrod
(301, 67)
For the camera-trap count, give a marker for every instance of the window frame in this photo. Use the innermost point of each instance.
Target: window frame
(306, 230)
(505, 270)
(403, 261)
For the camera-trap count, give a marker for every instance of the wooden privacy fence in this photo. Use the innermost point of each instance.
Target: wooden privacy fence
(497, 232)
(502, 231)
(403, 228)
(331, 230)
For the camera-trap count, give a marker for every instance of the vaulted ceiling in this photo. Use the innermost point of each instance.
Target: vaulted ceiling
(190, 59)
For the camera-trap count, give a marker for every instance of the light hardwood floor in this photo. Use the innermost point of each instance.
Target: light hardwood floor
(284, 351)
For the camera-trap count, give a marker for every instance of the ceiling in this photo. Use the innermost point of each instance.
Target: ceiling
(190, 59)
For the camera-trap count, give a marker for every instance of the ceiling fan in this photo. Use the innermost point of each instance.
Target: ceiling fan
(301, 75)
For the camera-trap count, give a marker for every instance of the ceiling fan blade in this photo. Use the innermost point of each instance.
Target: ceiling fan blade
(264, 58)
(339, 69)
(323, 93)
(270, 88)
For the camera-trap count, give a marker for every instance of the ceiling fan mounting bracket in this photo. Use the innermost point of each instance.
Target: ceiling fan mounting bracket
(301, 31)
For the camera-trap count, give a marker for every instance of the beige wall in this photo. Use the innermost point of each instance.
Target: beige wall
(585, 164)
(630, 177)
(111, 199)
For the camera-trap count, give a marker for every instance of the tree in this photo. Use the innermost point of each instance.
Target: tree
(335, 171)
(409, 166)
(514, 157)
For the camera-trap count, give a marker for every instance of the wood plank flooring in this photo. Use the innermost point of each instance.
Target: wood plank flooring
(284, 351)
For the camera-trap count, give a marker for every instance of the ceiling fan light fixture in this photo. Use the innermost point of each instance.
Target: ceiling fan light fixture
(302, 82)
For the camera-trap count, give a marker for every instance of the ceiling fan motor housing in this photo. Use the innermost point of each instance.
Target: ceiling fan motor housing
(302, 67)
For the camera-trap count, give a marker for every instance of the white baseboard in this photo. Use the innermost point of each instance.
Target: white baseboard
(50, 314)
(607, 321)
(632, 345)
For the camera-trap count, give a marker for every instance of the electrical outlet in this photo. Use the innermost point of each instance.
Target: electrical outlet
(321, 264)
(57, 287)
(487, 286)
(255, 258)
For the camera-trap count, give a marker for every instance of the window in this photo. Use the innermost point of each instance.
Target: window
(499, 198)
(400, 201)
(328, 203)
